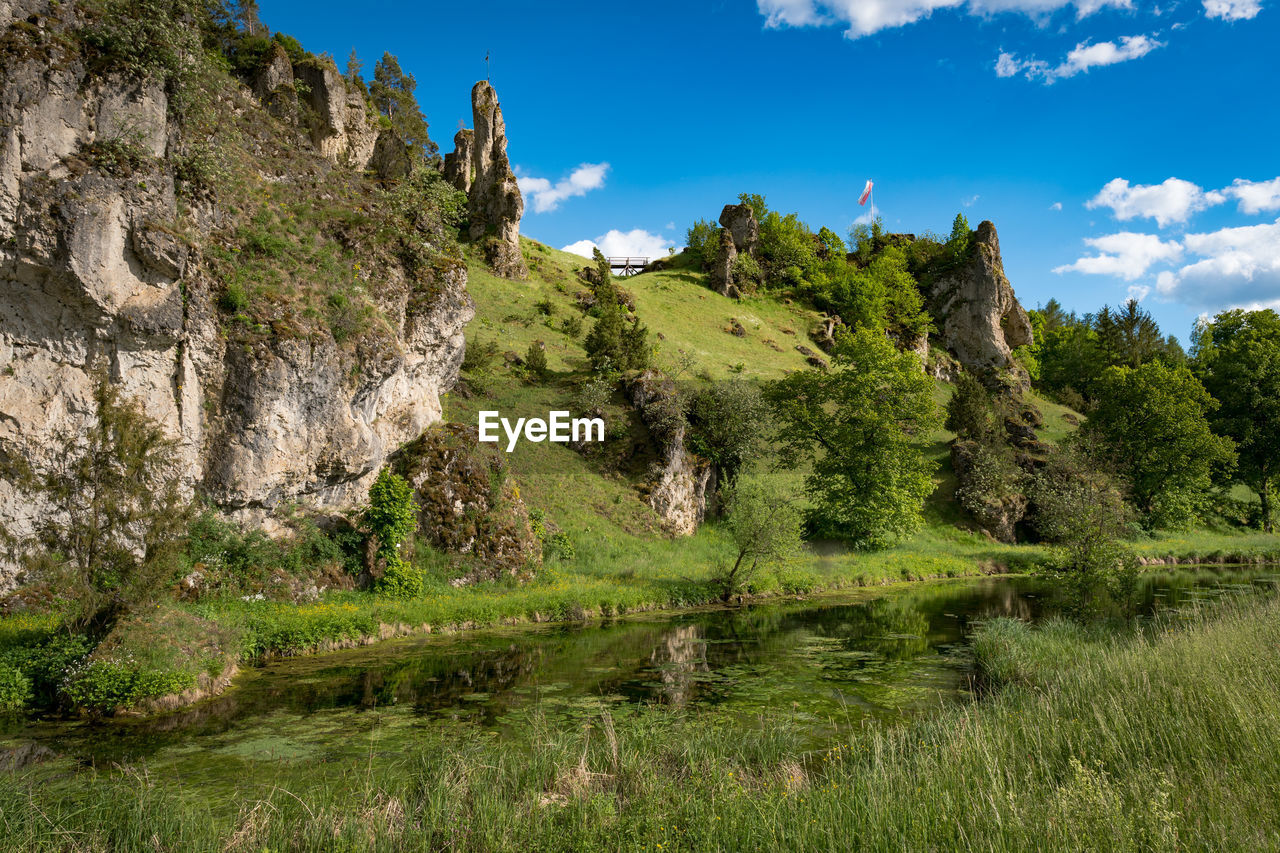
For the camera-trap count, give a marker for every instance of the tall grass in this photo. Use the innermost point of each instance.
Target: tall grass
(1157, 740)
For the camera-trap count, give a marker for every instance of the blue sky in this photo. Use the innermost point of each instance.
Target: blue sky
(1120, 146)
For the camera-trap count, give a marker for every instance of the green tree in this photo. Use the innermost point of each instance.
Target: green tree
(354, 68)
(393, 513)
(1080, 509)
(1155, 420)
(117, 514)
(1237, 356)
(958, 242)
(702, 241)
(613, 342)
(392, 91)
(971, 412)
(728, 422)
(857, 423)
(763, 525)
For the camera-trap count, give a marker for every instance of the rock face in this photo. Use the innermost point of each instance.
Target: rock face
(96, 276)
(978, 317)
(457, 164)
(469, 505)
(740, 234)
(494, 203)
(740, 221)
(341, 128)
(681, 483)
(722, 270)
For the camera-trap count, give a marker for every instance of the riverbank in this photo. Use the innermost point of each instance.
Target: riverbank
(1098, 737)
(183, 653)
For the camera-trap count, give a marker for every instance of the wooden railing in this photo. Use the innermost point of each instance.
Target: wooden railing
(627, 266)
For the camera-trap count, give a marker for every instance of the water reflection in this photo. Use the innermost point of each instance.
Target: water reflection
(827, 663)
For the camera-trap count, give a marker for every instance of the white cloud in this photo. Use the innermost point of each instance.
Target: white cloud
(1232, 10)
(864, 17)
(1255, 197)
(1172, 201)
(1126, 254)
(1080, 59)
(1138, 292)
(1057, 205)
(970, 201)
(547, 196)
(636, 243)
(1239, 267)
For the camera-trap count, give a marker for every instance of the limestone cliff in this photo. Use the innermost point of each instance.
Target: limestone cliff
(977, 315)
(113, 257)
(494, 203)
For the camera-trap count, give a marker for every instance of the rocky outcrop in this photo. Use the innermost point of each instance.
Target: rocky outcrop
(99, 271)
(722, 268)
(341, 128)
(274, 86)
(457, 164)
(978, 317)
(680, 484)
(739, 234)
(996, 511)
(740, 221)
(494, 203)
(469, 505)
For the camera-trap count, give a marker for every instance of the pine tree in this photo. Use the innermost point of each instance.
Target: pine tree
(392, 92)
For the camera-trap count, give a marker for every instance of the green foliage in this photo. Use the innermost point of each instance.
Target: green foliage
(746, 270)
(856, 424)
(1080, 508)
(1155, 420)
(15, 689)
(401, 578)
(615, 341)
(571, 325)
(392, 91)
(153, 39)
(992, 485)
(702, 241)
(392, 514)
(971, 412)
(1237, 356)
(829, 245)
(882, 295)
(104, 685)
(961, 237)
(234, 299)
(111, 540)
(1073, 352)
(535, 360)
(764, 527)
(558, 546)
(729, 422)
(232, 559)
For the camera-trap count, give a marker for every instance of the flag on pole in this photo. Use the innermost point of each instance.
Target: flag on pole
(866, 194)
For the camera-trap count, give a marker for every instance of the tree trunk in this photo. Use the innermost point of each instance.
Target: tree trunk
(1264, 494)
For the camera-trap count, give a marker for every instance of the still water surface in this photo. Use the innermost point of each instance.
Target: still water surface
(826, 663)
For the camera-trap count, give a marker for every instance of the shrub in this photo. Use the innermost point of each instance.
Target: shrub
(558, 546)
(234, 300)
(103, 685)
(616, 342)
(764, 528)
(392, 514)
(702, 241)
(401, 579)
(970, 412)
(535, 360)
(572, 326)
(729, 421)
(15, 689)
(112, 537)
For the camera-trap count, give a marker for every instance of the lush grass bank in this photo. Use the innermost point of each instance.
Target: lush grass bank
(1099, 740)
